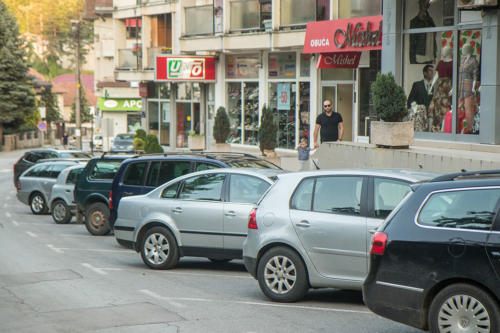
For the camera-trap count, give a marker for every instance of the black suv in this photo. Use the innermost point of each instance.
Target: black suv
(35, 156)
(141, 174)
(435, 262)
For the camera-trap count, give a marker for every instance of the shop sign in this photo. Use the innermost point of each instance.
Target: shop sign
(283, 96)
(339, 60)
(357, 34)
(185, 68)
(119, 104)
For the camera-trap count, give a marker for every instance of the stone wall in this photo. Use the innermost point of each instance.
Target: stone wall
(21, 141)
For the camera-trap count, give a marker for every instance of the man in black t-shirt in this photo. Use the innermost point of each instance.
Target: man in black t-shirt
(330, 123)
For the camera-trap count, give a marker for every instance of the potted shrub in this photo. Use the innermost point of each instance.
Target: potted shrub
(267, 133)
(151, 144)
(221, 130)
(139, 141)
(196, 141)
(389, 103)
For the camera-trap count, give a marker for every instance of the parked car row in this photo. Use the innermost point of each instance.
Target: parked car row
(423, 247)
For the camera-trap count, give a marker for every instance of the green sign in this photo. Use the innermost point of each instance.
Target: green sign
(119, 104)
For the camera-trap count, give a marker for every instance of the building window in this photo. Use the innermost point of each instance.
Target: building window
(133, 28)
(299, 12)
(243, 111)
(441, 76)
(199, 20)
(250, 14)
(359, 8)
(282, 65)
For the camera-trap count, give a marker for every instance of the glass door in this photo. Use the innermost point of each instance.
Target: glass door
(165, 124)
(341, 96)
(183, 123)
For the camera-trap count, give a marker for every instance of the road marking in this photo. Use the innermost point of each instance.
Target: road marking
(55, 249)
(246, 276)
(31, 234)
(96, 250)
(8, 215)
(302, 307)
(15, 223)
(95, 269)
(154, 295)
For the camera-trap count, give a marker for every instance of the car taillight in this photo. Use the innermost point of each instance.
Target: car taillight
(110, 199)
(252, 221)
(378, 244)
(19, 187)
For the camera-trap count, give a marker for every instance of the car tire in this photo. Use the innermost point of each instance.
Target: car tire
(461, 305)
(159, 249)
(60, 212)
(282, 275)
(96, 219)
(38, 204)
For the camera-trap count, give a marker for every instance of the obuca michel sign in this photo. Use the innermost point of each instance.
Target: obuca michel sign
(346, 35)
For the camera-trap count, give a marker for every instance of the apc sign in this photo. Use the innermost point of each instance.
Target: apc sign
(201, 69)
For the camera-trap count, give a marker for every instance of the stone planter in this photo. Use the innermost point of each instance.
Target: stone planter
(392, 134)
(223, 147)
(196, 142)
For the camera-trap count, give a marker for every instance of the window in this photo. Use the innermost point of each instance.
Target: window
(133, 28)
(105, 169)
(173, 169)
(170, 192)
(387, 194)
(338, 195)
(32, 157)
(349, 9)
(199, 20)
(246, 189)
(463, 209)
(134, 175)
(78, 154)
(206, 166)
(55, 170)
(205, 187)
(152, 177)
(36, 171)
(249, 163)
(249, 14)
(302, 198)
(73, 176)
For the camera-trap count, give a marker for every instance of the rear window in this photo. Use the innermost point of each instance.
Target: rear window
(55, 170)
(73, 176)
(74, 155)
(134, 175)
(125, 137)
(105, 169)
(460, 209)
(244, 163)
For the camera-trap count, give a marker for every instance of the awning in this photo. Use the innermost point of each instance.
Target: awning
(172, 68)
(119, 104)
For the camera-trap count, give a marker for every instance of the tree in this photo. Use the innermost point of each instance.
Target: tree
(48, 100)
(85, 115)
(221, 126)
(267, 130)
(17, 97)
(389, 99)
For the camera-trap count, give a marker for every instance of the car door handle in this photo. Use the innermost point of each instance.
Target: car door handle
(69, 191)
(303, 224)
(177, 210)
(230, 213)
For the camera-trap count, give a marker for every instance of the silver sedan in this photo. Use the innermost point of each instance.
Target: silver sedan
(203, 214)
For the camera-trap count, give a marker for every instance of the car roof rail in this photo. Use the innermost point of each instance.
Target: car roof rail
(75, 160)
(114, 153)
(466, 174)
(194, 153)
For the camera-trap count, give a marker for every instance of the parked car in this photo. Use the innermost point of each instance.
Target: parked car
(97, 141)
(313, 229)
(92, 191)
(33, 156)
(123, 142)
(35, 184)
(142, 174)
(62, 200)
(202, 214)
(435, 262)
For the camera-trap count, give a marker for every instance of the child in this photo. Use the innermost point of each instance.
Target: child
(303, 150)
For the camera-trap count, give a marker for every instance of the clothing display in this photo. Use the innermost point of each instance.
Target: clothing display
(445, 69)
(468, 73)
(441, 103)
(422, 46)
(421, 93)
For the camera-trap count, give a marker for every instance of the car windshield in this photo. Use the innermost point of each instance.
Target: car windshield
(247, 163)
(125, 137)
(75, 155)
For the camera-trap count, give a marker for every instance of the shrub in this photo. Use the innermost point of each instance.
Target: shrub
(151, 145)
(139, 143)
(267, 130)
(221, 125)
(140, 133)
(389, 99)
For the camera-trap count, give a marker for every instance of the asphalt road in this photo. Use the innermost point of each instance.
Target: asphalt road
(59, 278)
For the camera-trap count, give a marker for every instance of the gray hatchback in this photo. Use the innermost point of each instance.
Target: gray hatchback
(62, 198)
(313, 229)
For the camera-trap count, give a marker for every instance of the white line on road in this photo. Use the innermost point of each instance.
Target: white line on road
(31, 234)
(8, 215)
(246, 276)
(96, 250)
(302, 307)
(55, 249)
(15, 223)
(95, 269)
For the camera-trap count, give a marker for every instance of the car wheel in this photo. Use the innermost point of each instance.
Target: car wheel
(60, 212)
(96, 219)
(159, 248)
(282, 275)
(219, 261)
(37, 204)
(463, 308)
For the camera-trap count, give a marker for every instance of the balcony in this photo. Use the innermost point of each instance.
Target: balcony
(129, 60)
(153, 51)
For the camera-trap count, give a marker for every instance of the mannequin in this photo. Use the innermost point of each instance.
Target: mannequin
(441, 102)
(468, 80)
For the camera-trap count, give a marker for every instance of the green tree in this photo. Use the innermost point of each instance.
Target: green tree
(152, 145)
(267, 130)
(221, 126)
(389, 99)
(17, 97)
(49, 101)
(85, 116)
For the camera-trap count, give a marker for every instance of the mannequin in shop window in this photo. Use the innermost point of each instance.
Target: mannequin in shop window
(441, 102)
(468, 84)
(423, 45)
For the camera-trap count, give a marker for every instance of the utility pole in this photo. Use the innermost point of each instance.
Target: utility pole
(78, 131)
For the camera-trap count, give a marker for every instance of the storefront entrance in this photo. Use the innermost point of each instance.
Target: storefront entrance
(188, 119)
(341, 95)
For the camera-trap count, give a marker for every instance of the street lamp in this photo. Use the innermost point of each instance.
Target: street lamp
(75, 27)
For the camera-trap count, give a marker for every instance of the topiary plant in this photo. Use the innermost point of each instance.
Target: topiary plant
(140, 133)
(221, 125)
(151, 145)
(267, 130)
(139, 143)
(389, 99)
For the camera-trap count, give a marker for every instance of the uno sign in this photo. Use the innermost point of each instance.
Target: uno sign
(185, 69)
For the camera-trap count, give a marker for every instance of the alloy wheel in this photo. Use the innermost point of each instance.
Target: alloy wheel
(59, 211)
(280, 274)
(37, 204)
(156, 248)
(464, 314)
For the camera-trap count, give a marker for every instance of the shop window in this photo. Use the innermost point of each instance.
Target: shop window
(199, 20)
(282, 96)
(426, 13)
(153, 118)
(305, 65)
(299, 12)
(282, 65)
(184, 91)
(243, 112)
(133, 28)
(359, 8)
(304, 111)
(242, 67)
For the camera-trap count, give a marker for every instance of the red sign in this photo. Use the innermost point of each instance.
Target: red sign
(339, 60)
(199, 69)
(42, 125)
(357, 34)
(143, 89)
